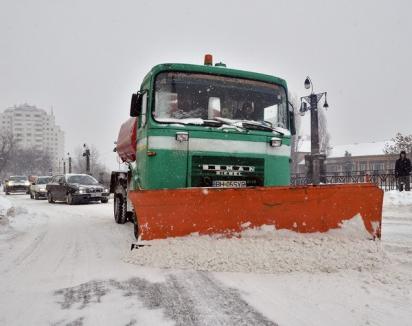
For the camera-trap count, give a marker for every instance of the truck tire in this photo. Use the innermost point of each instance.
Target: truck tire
(50, 198)
(120, 209)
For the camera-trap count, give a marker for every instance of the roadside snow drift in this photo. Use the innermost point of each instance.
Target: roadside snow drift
(266, 250)
(15, 219)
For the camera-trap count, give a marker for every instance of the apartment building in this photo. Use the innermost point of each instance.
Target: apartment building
(36, 129)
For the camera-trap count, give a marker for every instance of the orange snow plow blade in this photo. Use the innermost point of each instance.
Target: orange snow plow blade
(179, 212)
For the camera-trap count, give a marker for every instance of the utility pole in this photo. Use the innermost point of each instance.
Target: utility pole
(315, 161)
(64, 166)
(70, 162)
(86, 154)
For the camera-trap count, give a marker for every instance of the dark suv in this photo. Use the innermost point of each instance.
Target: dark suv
(16, 183)
(76, 188)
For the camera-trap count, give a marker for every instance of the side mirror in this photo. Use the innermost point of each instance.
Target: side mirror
(292, 119)
(136, 104)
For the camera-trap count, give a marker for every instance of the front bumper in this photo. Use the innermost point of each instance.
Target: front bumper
(90, 197)
(17, 188)
(42, 193)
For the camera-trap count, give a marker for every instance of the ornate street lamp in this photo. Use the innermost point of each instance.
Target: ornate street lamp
(314, 161)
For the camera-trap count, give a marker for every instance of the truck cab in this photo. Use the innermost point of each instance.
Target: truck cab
(210, 126)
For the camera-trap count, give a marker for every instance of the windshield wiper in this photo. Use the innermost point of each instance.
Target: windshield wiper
(212, 123)
(229, 122)
(251, 125)
(254, 126)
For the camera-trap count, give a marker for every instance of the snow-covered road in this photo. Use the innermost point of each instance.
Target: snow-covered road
(64, 265)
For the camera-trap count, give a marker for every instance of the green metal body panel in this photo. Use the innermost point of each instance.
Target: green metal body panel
(179, 165)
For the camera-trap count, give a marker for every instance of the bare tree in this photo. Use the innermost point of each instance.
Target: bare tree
(400, 143)
(24, 161)
(97, 167)
(7, 145)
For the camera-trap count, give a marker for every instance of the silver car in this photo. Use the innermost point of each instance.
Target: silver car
(38, 187)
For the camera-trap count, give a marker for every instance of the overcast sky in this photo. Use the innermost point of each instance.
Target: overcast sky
(86, 57)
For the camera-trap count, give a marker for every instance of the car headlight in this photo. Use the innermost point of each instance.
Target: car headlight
(82, 190)
(106, 190)
(42, 189)
(26, 183)
(10, 183)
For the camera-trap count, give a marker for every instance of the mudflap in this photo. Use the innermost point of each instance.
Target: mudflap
(228, 211)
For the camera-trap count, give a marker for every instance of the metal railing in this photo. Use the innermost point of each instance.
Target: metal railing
(385, 181)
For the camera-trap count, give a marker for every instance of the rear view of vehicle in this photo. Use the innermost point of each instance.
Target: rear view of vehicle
(17, 184)
(38, 187)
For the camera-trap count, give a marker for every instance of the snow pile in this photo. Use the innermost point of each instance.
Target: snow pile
(15, 219)
(266, 250)
(397, 198)
(5, 210)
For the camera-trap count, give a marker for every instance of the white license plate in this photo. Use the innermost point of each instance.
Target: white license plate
(96, 194)
(229, 184)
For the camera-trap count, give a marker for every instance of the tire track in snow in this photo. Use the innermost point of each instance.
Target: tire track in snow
(188, 299)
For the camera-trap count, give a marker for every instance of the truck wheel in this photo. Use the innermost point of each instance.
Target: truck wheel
(50, 198)
(120, 209)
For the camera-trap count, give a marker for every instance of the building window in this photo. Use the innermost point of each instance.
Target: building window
(363, 166)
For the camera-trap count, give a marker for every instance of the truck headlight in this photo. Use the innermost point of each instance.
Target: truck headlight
(275, 142)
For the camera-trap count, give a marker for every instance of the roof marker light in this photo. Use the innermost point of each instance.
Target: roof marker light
(208, 60)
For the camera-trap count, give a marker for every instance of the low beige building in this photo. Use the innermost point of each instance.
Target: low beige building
(358, 158)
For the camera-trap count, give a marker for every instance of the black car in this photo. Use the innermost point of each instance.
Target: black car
(76, 188)
(16, 183)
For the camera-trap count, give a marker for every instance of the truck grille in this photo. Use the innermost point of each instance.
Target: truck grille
(206, 169)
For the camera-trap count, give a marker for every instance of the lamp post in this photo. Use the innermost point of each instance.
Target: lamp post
(64, 165)
(315, 161)
(70, 162)
(86, 153)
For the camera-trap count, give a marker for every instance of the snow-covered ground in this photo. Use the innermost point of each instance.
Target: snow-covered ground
(72, 265)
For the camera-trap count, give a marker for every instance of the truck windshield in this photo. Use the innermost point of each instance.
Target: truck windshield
(193, 98)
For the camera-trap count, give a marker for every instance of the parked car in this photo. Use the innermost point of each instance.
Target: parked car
(76, 188)
(16, 183)
(38, 187)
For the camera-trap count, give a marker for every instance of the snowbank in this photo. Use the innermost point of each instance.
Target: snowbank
(397, 198)
(5, 212)
(14, 219)
(266, 250)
